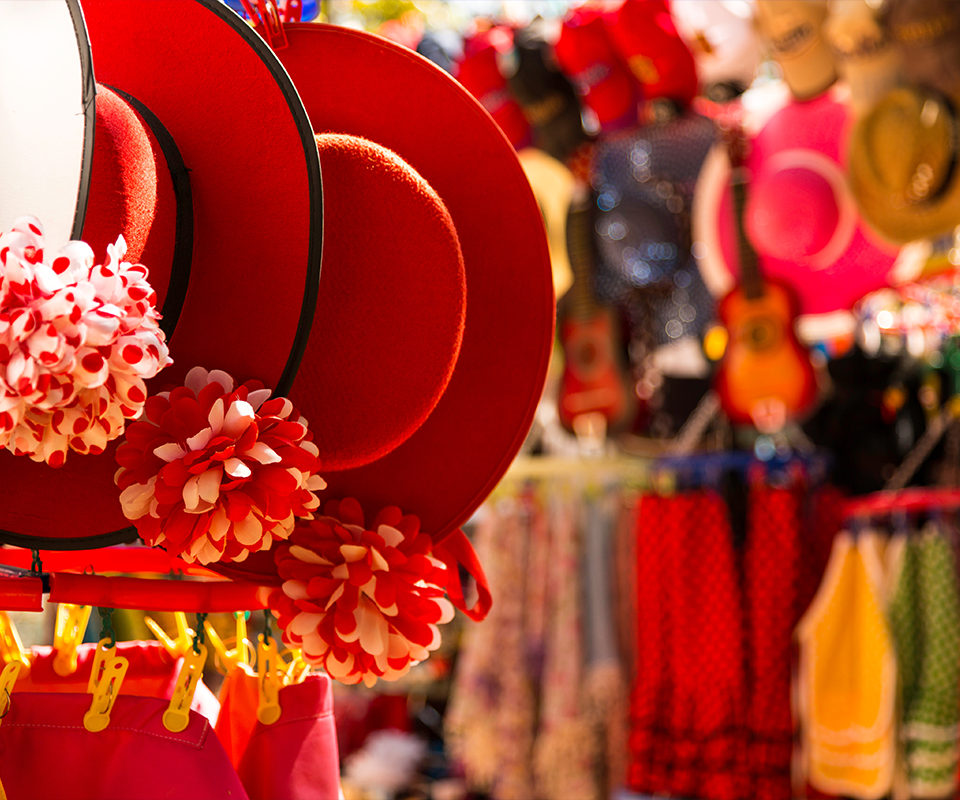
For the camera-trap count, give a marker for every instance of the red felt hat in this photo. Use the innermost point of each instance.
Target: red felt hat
(428, 347)
(227, 221)
(387, 313)
(587, 56)
(644, 36)
(479, 72)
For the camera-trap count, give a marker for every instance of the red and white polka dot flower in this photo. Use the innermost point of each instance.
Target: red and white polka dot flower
(216, 471)
(77, 341)
(363, 603)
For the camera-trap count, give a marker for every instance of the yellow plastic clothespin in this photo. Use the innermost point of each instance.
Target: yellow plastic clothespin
(177, 715)
(297, 670)
(665, 482)
(11, 648)
(106, 677)
(8, 679)
(175, 647)
(268, 675)
(71, 625)
(238, 657)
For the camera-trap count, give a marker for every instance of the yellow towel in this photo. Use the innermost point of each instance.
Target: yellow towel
(848, 676)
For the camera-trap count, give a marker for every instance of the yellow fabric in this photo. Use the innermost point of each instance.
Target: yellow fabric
(847, 677)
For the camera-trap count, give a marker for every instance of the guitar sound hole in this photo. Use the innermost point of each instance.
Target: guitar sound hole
(761, 334)
(587, 353)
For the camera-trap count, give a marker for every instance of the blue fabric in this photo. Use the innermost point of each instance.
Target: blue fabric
(307, 13)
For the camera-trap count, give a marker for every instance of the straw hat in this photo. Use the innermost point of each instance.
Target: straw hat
(902, 161)
(793, 30)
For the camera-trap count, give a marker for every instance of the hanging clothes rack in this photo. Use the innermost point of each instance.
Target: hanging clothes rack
(923, 498)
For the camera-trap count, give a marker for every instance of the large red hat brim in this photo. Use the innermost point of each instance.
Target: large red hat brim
(242, 132)
(363, 85)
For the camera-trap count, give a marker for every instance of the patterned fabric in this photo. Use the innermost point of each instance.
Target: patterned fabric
(625, 582)
(688, 698)
(772, 579)
(491, 720)
(925, 619)
(606, 685)
(565, 747)
(903, 603)
(847, 675)
(532, 712)
(711, 703)
(644, 179)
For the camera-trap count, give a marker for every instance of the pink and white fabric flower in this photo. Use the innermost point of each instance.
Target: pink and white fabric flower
(217, 471)
(363, 603)
(77, 342)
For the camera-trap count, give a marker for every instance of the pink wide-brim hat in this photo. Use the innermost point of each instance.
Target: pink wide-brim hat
(799, 215)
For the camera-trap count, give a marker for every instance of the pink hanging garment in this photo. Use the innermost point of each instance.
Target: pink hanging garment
(46, 753)
(295, 758)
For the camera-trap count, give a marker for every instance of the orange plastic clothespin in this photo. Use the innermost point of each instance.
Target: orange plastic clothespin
(268, 661)
(106, 677)
(8, 679)
(11, 648)
(175, 647)
(177, 715)
(71, 625)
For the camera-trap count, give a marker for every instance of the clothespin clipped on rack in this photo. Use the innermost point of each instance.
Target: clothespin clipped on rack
(106, 678)
(239, 656)
(8, 680)
(297, 670)
(268, 679)
(11, 648)
(178, 647)
(71, 625)
(665, 481)
(177, 715)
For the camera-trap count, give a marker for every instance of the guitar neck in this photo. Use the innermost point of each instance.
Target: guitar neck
(580, 251)
(750, 280)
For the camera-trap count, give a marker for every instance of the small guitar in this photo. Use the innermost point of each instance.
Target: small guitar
(592, 381)
(766, 377)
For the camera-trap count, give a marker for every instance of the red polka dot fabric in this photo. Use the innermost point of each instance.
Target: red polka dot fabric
(771, 561)
(710, 712)
(688, 697)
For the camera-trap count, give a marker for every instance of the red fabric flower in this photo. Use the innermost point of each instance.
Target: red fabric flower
(77, 341)
(216, 472)
(361, 603)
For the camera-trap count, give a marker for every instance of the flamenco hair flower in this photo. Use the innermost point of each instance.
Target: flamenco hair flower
(363, 603)
(216, 471)
(77, 342)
